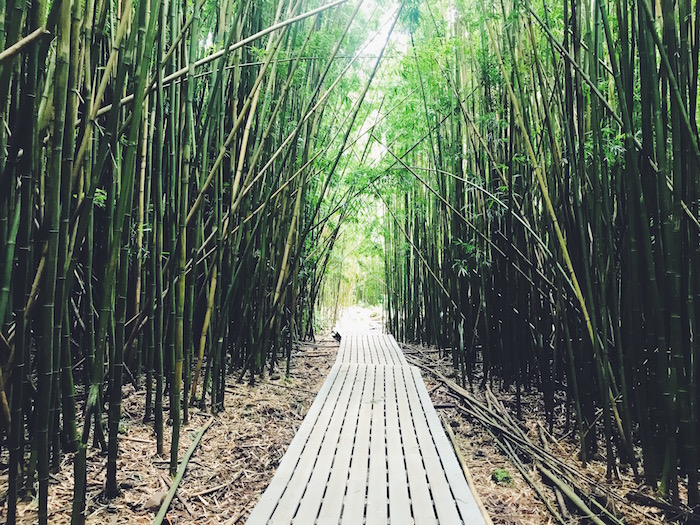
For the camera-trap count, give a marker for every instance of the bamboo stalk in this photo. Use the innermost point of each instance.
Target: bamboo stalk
(181, 472)
(19, 46)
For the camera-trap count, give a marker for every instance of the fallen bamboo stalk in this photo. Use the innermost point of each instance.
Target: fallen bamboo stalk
(510, 453)
(557, 491)
(182, 500)
(180, 473)
(570, 493)
(495, 418)
(217, 488)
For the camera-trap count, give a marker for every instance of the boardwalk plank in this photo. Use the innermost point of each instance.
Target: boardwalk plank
(333, 452)
(397, 350)
(421, 502)
(371, 349)
(383, 352)
(377, 481)
(328, 433)
(399, 501)
(342, 349)
(331, 506)
(439, 487)
(392, 355)
(354, 506)
(371, 357)
(466, 503)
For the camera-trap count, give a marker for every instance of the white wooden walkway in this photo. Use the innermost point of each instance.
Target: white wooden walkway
(371, 450)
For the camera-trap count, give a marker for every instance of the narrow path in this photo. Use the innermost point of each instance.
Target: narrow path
(371, 450)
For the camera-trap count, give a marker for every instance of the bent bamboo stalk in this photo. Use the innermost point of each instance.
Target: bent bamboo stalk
(180, 473)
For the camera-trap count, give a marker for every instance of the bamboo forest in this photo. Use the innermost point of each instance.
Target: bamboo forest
(192, 192)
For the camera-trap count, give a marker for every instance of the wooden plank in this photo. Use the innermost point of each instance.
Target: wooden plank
(399, 501)
(397, 350)
(421, 502)
(377, 354)
(468, 508)
(389, 353)
(444, 500)
(335, 447)
(356, 347)
(352, 348)
(393, 356)
(343, 350)
(368, 349)
(378, 350)
(369, 353)
(377, 507)
(332, 418)
(347, 357)
(386, 355)
(332, 505)
(326, 396)
(354, 506)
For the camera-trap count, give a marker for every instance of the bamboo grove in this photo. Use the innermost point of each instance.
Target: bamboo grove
(174, 177)
(542, 213)
(163, 167)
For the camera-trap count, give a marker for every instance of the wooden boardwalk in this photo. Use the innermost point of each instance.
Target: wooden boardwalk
(371, 450)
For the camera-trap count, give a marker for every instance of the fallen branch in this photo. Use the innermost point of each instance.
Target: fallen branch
(180, 473)
(517, 463)
(514, 442)
(218, 487)
(674, 513)
(289, 387)
(570, 493)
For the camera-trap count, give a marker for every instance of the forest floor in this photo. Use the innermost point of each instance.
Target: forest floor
(239, 453)
(504, 491)
(229, 470)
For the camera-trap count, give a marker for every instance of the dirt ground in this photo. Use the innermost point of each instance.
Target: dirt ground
(228, 472)
(239, 453)
(513, 501)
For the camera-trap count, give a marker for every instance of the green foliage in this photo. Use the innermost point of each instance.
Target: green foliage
(411, 15)
(100, 198)
(502, 477)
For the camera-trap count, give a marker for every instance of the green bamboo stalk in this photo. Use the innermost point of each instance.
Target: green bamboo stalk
(10, 243)
(180, 473)
(26, 171)
(64, 357)
(47, 349)
(179, 73)
(547, 200)
(118, 247)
